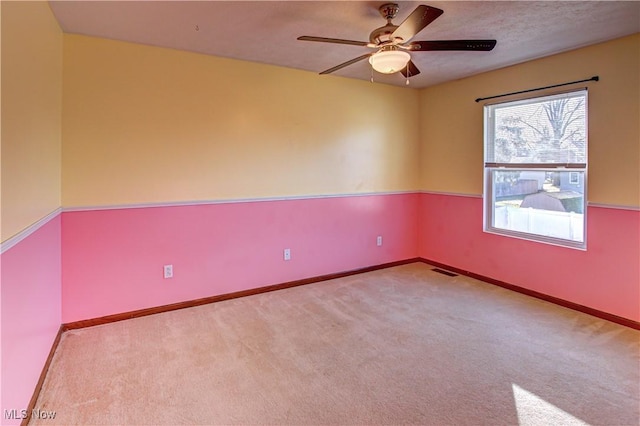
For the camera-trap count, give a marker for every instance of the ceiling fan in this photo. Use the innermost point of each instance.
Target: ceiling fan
(392, 42)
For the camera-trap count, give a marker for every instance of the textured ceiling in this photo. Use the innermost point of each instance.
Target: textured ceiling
(266, 31)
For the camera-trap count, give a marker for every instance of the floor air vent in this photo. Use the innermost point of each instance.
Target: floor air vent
(442, 271)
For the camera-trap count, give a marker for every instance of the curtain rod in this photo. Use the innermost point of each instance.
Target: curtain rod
(594, 78)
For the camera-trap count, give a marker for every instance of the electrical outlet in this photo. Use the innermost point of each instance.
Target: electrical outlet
(379, 240)
(168, 271)
(287, 254)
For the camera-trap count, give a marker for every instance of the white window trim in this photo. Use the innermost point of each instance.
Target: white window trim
(488, 168)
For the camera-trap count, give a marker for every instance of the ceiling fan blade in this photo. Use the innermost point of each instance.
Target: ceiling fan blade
(346, 64)
(481, 45)
(410, 70)
(421, 17)
(333, 40)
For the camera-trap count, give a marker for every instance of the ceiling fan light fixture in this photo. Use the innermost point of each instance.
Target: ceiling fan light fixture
(389, 61)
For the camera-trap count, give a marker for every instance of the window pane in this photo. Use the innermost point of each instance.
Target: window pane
(538, 202)
(551, 129)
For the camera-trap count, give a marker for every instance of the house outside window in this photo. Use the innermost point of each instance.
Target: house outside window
(536, 168)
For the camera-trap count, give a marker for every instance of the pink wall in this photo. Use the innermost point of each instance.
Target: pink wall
(31, 312)
(605, 277)
(112, 259)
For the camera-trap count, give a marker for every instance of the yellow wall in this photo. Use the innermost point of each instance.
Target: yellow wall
(143, 124)
(31, 114)
(452, 123)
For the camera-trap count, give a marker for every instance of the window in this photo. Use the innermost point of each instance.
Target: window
(535, 168)
(574, 178)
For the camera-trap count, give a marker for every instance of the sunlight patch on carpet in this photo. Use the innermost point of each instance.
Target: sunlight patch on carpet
(533, 410)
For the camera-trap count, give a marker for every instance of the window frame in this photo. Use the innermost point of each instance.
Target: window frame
(489, 168)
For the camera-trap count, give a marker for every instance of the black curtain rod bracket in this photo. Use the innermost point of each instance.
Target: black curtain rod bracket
(594, 78)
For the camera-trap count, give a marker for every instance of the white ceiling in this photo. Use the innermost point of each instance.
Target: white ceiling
(266, 31)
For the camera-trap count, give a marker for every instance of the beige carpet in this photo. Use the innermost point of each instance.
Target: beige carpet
(404, 345)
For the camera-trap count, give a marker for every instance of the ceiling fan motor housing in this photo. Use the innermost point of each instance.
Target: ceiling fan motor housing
(383, 34)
